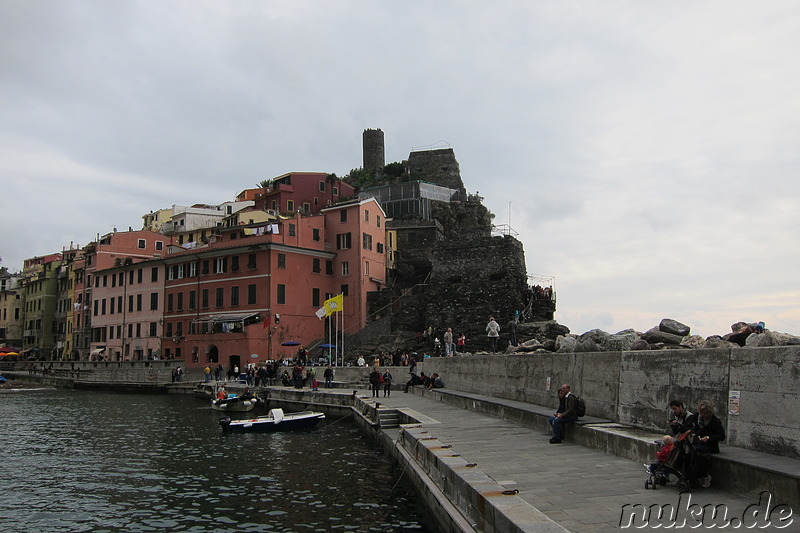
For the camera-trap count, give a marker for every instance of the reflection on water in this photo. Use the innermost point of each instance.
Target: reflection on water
(79, 461)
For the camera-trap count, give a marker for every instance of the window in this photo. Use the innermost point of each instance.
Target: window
(119, 304)
(192, 270)
(290, 206)
(139, 302)
(103, 307)
(315, 233)
(366, 215)
(292, 230)
(169, 329)
(335, 190)
(342, 216)
(159, 245)
(378, 220)
(234, 296)
(154, 301)
(142, 244)
(138, 330)
(316, 268)
(281, 260)
(170, 273)
(180, 300)
(112, 306)
(114, 280)
(130, 330)
(251, 294)
(380, 247)
(345, 268)
(205, 267)
(315, 298)
(130, 276)
(105, 280)
(192, 299)
(251, 261)
(153, 329)
(130, 303)
(281, 294)
(306, 207)
(170, 299)
(329, 267)
(367, 240)
(221, 265)
(153, 275)
(204, 299)
(235, 263)
(220, 297)
(344, 290)
(321, 186)
(343, 241)
(366, 268)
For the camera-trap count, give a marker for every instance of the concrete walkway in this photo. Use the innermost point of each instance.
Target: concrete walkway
(581, 489)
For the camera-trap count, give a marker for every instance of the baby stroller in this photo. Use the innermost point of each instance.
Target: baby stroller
(678, 464)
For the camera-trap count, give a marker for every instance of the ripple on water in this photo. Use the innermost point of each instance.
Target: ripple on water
(112, 462)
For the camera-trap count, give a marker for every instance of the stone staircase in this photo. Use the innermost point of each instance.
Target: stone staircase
(388, 418)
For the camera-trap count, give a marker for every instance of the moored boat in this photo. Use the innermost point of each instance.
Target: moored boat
(235, 403)
(276, 420)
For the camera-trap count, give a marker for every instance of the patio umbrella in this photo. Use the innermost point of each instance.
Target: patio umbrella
(254, 355)
(8, 353)
(290, 343)
(327, 346)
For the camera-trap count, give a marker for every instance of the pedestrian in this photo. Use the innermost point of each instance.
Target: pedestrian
(462, 343)
(449, 347)
(493, 333)
(375, 381)
(328, 377)
(387, 383)
(512, 332)
(207, 373)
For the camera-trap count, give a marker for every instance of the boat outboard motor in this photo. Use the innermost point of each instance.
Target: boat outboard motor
(225, 423)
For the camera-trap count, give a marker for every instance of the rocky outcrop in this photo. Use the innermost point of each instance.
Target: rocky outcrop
(668, 335)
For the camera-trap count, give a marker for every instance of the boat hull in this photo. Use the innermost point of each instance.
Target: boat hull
(234, 405)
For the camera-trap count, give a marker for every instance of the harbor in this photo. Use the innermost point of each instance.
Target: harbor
(482, 463)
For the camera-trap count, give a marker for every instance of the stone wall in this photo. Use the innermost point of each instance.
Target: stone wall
(439, 167)
(634, 388)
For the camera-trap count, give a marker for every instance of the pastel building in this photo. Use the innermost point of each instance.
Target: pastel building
(307, 192)
(11, 303)
(113, 250)
(257, 287)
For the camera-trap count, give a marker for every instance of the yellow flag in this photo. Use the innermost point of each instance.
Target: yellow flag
(333, 305)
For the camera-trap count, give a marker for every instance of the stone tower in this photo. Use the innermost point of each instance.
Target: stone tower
(374, 156)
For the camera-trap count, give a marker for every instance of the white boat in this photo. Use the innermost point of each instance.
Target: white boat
(235, 403)
(276, 420)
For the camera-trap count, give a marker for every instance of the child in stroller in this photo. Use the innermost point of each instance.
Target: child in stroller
(674, 458)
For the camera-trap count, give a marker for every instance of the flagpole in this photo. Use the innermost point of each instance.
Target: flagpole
(342, 328)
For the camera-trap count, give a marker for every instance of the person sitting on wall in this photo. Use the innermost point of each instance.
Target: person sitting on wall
(708, 433)
(567, 412)
(435, 382)
(415, 380)
(680, 420)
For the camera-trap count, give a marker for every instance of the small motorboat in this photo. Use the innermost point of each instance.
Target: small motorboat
(276, 420)
(235, 403)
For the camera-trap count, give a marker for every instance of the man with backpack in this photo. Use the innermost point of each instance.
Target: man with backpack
(567, 412)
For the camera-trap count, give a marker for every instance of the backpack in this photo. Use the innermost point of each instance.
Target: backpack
(580, 406)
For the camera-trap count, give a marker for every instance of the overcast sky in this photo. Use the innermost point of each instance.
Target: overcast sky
(645, 152)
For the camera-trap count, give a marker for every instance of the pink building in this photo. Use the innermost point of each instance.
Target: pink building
(307, 192)
(92, 272)
(259, 286)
